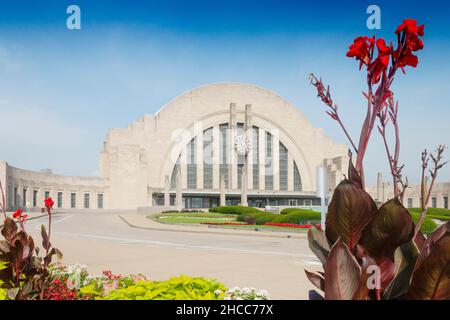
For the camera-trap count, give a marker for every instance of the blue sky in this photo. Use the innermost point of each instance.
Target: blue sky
(60, 89)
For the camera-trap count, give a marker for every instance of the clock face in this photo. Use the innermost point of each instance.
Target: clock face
(242, 145)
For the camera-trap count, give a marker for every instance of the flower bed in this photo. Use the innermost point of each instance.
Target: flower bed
(291, 225)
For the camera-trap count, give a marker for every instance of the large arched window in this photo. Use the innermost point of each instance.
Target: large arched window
(286, 171)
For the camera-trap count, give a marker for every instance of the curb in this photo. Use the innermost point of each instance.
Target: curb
(250, 232)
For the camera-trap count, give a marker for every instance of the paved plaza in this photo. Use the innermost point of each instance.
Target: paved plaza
(271, 261)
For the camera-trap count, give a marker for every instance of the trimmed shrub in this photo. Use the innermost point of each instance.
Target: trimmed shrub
(299, 217)
(239, 210)
(289, 210)
(258, 218)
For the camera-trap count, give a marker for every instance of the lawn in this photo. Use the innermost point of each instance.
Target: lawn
(193, 218)
(258, 218)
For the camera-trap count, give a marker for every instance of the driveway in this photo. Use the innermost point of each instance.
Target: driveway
(105, 241)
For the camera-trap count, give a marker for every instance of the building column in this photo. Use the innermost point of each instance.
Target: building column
(248, 169)
(167, 191)
(232, 156)
(262, 158)
(245, 175)
(216, 158)
(179, 195)
(222, 191)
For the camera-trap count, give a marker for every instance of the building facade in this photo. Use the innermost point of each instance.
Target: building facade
(226, 143)
(383, 191)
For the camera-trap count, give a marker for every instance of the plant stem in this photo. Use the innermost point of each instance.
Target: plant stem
(338, 119)
(390, 160)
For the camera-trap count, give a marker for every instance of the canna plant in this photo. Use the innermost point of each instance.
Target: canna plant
(25, 275)
(378, 253)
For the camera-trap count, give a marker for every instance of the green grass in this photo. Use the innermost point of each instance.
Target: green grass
(434, 213)
(193, 218)
(428, 225)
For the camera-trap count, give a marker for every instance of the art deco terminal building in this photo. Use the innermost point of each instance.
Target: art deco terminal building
(226, 143)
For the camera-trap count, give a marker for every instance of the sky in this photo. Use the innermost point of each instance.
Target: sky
(61, 89)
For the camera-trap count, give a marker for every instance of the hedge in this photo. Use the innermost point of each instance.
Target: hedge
(298, 217)
(239, 210)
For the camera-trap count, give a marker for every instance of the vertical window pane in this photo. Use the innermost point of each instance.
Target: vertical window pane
(24, 198)
(73, 200)
(223, 151)
(86, 200)
(60, 199)
(433, 202)
(269, 162)
(100, 201)
(16, 200)
(410, 202)
(35, 195)
(208, 159)
(446, 202)
(173, 179)
(191, 165)
(297, 179)
(255, 151)
(47, 195)
(283, 168)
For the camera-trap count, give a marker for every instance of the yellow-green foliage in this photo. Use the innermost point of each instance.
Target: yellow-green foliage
(3, 295)
(176, 288)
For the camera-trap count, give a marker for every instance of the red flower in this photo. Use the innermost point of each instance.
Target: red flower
(377, 67)
(410, 26)
(412, 33)
(49, 203)
(360, 49)
(408, 59)
(18, 213)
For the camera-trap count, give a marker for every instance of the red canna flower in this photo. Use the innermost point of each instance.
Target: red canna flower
(408, 59)
(360, 49)
(18, 213)
(49, 203)
(412, 32)
(410, 26)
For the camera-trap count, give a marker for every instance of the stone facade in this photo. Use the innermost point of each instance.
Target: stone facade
(383, 191)
(178, 156)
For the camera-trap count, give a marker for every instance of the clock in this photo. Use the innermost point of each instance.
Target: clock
(242, 145)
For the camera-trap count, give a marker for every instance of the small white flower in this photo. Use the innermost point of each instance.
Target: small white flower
(227, 298)
(217, 292)
(263, 293)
